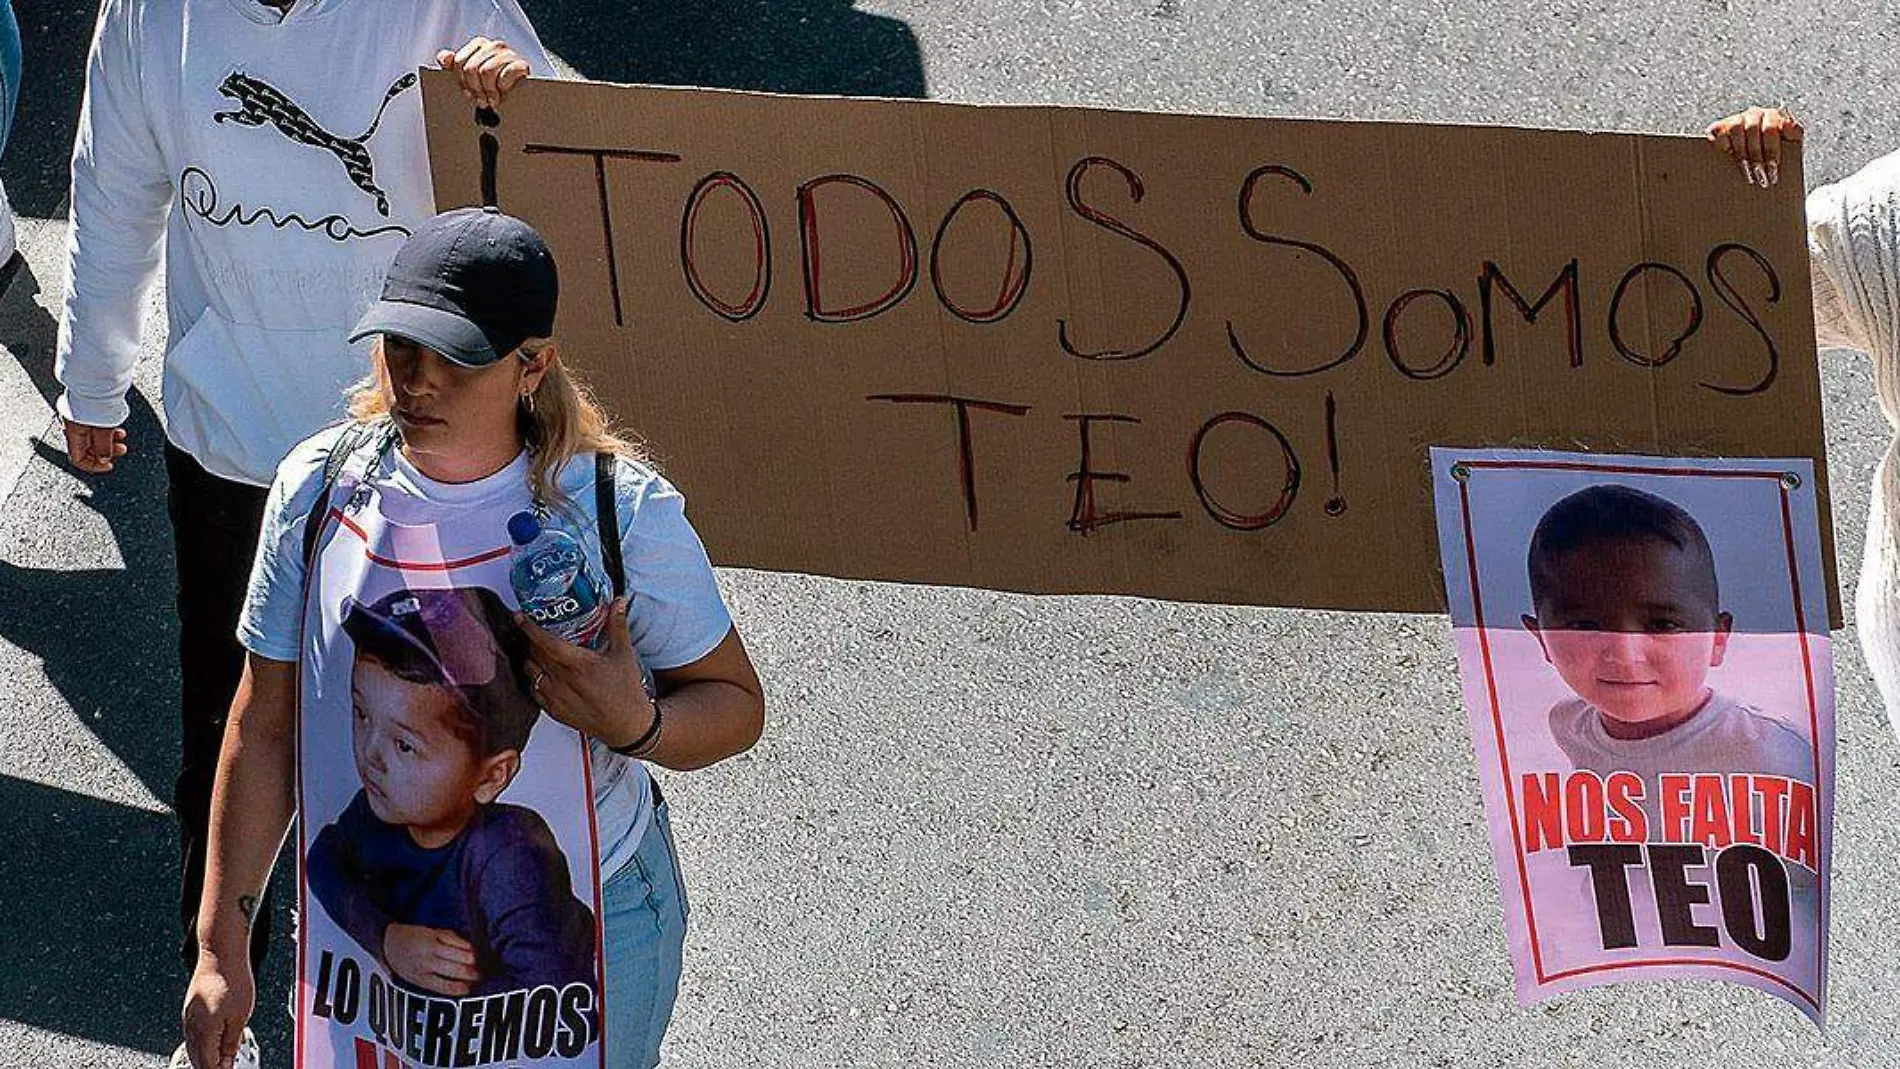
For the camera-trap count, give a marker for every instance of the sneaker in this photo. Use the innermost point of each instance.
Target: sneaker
(246, 1054)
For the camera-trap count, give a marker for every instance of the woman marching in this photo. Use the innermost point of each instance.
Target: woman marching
(390, 536)
(1854, 260)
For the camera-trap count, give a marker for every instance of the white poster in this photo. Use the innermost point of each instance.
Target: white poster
(1646, 664)
(448, 895)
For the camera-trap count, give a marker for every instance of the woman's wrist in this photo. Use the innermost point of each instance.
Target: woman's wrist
(643, 743)
(224, 941)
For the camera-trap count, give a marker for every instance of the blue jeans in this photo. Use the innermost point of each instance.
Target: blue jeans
(643, 920)
(9, 69)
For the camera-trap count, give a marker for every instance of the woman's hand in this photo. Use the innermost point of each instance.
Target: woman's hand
(217, 1007)
(434, 959)
(596, 692)
(488, 69)
(1754, 138)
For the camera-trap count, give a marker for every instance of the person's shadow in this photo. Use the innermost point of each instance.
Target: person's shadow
(776, 46)
(54, 35)
(87, 885)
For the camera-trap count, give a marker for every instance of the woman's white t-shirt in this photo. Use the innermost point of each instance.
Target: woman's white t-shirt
(675, 612)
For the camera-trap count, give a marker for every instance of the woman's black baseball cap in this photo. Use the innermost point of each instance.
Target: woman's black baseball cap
(472, 284)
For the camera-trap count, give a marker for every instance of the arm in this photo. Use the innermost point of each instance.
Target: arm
(340, 881)
(712, 703)
(251, 806)
(1854, 259)
(714, 708)
(1851, 231)
(537, 930)
(121, 193)
(433, 959)
(709, 709)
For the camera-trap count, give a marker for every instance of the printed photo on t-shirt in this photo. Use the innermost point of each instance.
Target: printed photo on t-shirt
(450, 872)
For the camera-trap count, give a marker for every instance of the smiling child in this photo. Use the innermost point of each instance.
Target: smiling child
(1628, 610)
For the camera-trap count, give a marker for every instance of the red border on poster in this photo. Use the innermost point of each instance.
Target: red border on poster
(1497, 713)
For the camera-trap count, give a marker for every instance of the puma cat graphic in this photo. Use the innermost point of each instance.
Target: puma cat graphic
(259, 103)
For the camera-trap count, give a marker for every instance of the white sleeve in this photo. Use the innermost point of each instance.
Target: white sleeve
(121, 195)
(507, 22)
(272, 618)
(674, 608)
(1854, 258)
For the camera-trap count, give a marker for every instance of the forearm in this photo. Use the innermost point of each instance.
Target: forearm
(705, 722)
(251, 806)
(121, 195)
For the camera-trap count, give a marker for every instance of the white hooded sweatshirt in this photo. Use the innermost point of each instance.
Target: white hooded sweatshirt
(279, 162)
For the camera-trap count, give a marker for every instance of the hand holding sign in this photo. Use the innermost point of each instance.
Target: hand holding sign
(487, 68)
(595, 692)
(434, 959)
(1754, 137)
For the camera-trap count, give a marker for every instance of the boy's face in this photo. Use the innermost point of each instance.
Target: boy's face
(416, 771)
(1632, 626)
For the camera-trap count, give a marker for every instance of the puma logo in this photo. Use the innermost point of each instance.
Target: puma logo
(260, 103)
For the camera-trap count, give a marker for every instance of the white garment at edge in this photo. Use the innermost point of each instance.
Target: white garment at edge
(1854, 248)
(280, 161)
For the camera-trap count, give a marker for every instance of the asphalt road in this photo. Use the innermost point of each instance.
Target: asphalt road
(986, 829)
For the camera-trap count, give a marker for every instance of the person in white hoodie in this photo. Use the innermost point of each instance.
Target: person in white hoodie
(10, 58)
(1854, 264)
(270, 154)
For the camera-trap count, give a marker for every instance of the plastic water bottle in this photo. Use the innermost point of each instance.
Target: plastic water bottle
(554, 582)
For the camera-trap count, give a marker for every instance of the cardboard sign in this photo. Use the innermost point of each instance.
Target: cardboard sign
(1649, 679)
(1065, 350)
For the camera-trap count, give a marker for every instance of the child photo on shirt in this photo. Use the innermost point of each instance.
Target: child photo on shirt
(454, 892)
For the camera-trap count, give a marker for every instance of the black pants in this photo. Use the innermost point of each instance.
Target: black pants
(215, 526)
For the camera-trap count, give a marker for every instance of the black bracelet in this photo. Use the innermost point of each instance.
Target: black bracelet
(643, 745)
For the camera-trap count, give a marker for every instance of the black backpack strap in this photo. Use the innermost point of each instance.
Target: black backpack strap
(341, 450)
(607, 516)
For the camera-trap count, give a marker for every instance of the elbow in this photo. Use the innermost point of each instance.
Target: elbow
(741, 727)
(752, 726)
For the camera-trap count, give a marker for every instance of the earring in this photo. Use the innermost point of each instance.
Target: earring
(527, 402)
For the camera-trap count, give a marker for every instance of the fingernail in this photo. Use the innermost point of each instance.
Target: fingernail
(1774, 172)
(1761, 176)
(1747, 175)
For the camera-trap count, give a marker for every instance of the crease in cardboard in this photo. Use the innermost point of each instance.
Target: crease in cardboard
(1652, 380)
(921, 176)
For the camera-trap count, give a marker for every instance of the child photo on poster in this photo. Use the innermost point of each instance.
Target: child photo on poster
(1646, 667)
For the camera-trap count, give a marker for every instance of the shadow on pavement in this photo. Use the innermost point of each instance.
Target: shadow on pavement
(54, 35)
(86, 891)
(777, 46)
(87, 887)
(29, 332)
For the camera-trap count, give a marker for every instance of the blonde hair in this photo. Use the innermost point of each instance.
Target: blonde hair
(563, 422)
